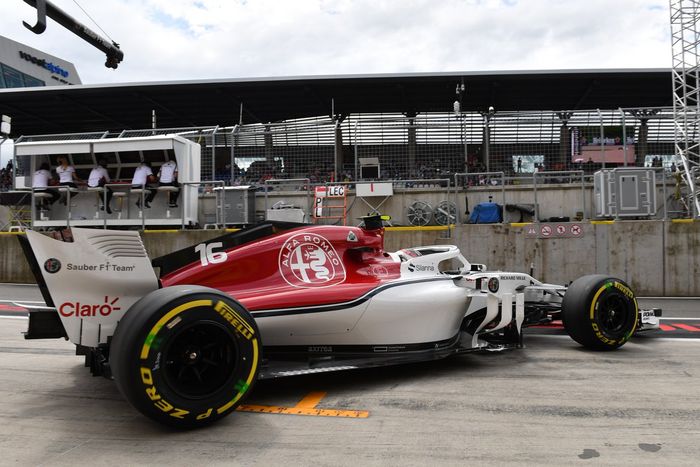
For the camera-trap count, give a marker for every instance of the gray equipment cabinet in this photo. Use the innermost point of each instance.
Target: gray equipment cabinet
(239, 204)
(625, 192)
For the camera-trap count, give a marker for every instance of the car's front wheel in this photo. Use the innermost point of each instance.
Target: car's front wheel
(185, 356)
(600, 312)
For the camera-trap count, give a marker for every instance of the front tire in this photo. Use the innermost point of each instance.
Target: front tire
(185, 356)
(600, 312)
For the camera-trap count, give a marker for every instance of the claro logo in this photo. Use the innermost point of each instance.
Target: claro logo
(69, 309)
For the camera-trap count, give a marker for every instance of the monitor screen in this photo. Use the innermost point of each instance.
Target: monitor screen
(371, 171)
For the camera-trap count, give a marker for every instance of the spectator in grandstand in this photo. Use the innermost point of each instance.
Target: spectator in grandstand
(520, 164)
(67, 176)
(100, 177)
(40, 183)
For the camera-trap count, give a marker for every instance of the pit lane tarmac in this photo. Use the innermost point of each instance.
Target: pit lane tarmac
(552, 403)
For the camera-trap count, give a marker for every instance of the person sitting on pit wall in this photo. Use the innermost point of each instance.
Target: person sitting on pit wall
(143, 176)
(67, 176)
(100, 177)
(167, 176)
(40, 183)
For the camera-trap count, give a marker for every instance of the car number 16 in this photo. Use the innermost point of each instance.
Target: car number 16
(207, 255)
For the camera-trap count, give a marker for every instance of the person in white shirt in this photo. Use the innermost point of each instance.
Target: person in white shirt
(143, 176)
(100, 177)
(167, 176)
(40, 183)
(66, 175)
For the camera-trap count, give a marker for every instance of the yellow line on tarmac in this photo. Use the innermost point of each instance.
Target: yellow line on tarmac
(418, 228)
(520, 224)
(307, 406)
(162, 231)
(682, 221)
(310, 401)
(602, 222)
(13, 233)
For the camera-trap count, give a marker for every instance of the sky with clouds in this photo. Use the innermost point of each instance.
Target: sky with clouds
(168, 40)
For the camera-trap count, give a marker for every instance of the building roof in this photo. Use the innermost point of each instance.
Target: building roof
(115, 107)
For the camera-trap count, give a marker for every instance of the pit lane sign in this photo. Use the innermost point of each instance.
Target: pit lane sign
(554, 230)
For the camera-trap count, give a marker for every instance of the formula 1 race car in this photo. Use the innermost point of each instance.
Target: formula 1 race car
(278, 299)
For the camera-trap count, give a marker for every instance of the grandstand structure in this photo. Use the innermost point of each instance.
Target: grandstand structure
(323, 127)
(425, 146)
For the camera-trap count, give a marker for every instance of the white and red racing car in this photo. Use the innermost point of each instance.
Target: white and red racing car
(186, 336)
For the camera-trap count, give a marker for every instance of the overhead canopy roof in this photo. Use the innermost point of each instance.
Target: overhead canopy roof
(115, 107)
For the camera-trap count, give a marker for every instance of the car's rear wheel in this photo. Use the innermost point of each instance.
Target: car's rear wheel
(600, 312)
(185, 356)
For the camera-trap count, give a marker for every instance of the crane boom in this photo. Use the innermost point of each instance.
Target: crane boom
(46, 8)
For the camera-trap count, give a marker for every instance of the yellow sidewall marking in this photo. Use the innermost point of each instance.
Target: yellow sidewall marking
(168, 316)
(595, 300)
(249, 381)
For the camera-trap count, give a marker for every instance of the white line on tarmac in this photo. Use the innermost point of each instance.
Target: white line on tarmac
(679, 319)
(38, 302)
(14, 317)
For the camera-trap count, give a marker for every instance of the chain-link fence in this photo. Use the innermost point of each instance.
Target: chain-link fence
(422, 146)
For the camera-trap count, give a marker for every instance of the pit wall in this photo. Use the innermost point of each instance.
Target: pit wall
(656, 258)
(553, 200)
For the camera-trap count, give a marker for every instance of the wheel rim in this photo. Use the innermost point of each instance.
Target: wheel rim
(419, 213)
(613, 314)
(200, 359)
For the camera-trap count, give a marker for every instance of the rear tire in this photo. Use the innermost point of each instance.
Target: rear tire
(185, 356)
(600, 312)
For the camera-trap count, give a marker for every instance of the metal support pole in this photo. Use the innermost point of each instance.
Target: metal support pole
(534, 190)
(602, 138)
(624, 136)
(356, 143)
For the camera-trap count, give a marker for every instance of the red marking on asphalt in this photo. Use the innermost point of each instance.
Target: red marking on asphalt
(687, 327)
(12, 308)
(666, 327)
(552, 325)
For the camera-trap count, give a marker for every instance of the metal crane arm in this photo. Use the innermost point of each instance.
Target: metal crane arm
(45, 8)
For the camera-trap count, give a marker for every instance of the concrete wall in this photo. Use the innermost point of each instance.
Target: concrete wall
(654, 257)
(553, 200)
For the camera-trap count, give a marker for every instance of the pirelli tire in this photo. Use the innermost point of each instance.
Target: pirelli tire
(600, 312)
(186, 356)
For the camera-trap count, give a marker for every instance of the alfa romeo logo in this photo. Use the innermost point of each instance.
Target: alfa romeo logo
(309, 260)
(52, 265)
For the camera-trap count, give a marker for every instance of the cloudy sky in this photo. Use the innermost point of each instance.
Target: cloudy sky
(166, 40)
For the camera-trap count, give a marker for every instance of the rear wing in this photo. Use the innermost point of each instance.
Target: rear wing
(92, 281)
